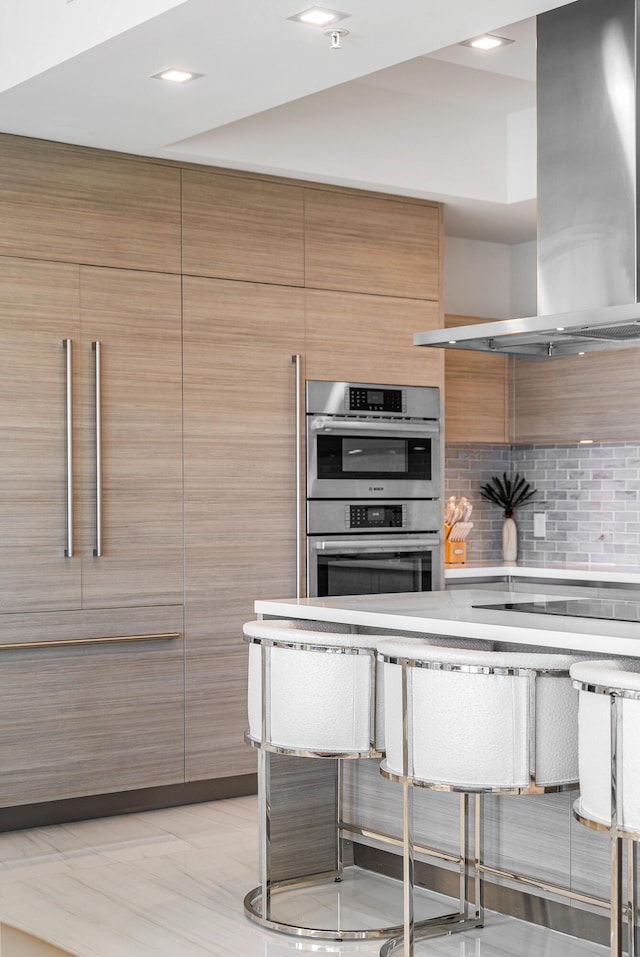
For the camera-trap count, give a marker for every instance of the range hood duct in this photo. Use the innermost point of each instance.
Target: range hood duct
(588, 222)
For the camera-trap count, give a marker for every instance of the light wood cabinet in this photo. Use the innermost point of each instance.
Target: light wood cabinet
(197, 309)
(476, 393)
(136, 319)
(361, 243)
(90, 719)
(65, 203)
(39, 309)
(362, 338)
(236, 227)
(240, 458)
(595, 396)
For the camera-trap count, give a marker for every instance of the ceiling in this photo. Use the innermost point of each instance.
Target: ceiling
(401, 107)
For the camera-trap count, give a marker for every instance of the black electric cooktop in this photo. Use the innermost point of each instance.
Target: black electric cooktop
(604, 608)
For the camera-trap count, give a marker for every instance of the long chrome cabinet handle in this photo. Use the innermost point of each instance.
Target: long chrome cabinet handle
(74, 642)
(297, 360)
(96, 346)
(67, 345)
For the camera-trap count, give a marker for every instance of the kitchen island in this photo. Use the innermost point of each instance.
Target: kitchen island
(472, 613)
(535, 835)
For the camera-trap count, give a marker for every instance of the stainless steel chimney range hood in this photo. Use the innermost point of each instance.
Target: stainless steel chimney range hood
(588, 196)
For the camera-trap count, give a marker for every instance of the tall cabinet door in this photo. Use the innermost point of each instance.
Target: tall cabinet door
(131, 438)
(38, 311)
(240, 481)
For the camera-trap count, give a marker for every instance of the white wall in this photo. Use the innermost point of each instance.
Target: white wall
(476, 278)
(490, 280)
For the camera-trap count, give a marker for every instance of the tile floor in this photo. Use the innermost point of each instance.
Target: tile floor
(170, 883)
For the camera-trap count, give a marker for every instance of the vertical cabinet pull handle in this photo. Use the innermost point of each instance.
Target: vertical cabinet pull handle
(298, 370)
(97, 551)
(67, 345)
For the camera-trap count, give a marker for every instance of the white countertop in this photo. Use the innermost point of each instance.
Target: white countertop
(590, 573)
(460, 613)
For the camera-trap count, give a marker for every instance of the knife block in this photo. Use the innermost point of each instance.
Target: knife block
(455, 553)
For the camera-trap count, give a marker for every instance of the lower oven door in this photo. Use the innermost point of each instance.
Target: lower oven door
(371, 565)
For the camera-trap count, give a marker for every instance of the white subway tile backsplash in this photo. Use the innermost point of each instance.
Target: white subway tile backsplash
(590, 493)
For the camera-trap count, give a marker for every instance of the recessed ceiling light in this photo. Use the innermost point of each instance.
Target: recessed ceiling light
(319, 16)
(488, 41)
(176, 76)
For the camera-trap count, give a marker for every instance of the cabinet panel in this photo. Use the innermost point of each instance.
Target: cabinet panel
(90, 719)
(373, 245)
(370, 339)
(239, 394)
(136, 317)
(596, 396)
(476, 389)
(39, 308)
(71, 204)
(241, 228)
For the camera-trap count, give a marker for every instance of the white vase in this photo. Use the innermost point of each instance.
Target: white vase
(509, 540)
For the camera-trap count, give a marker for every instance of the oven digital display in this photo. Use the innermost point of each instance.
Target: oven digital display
(361, 399)
(376, 516)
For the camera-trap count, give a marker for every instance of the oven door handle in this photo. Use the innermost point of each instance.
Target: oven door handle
(377, 544)
(328, 423)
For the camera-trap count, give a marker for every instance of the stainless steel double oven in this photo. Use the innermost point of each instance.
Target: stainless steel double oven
(373, 487)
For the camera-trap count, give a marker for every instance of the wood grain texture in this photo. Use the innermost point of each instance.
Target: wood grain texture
(476, 393)
(364, 244)
(239, 402)
(359, 338)
(137, 318)
(70, 204)
(596, 396)
(241, 228)
(39, 307)
(87, 720)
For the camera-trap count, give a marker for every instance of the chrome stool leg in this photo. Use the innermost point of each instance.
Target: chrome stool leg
(615, 926)
(632, 942)
(264, 790)
(408, 874)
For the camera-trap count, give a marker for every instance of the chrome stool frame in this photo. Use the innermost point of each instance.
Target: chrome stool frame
(471, 913)
(258, 901)
(619, 833)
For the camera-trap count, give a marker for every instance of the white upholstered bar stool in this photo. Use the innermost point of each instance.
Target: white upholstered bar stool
(474, 722)
(609, 758)
(311, 694)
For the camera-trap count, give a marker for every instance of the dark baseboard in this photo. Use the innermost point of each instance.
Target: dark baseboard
(506, 900)
(125, 802)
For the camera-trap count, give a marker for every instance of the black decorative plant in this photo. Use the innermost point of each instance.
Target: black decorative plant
(508, 492)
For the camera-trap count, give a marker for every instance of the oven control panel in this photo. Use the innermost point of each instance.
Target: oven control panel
(366, 399)
(375, 516)
(367, 517)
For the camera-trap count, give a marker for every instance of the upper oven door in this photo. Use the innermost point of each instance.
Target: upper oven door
(350, 457)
